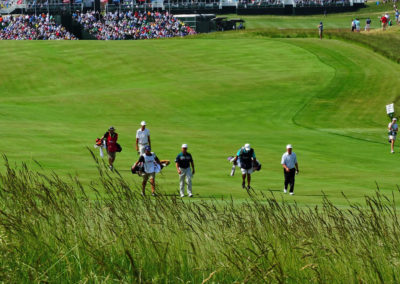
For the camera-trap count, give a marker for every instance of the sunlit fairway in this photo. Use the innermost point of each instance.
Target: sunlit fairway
(327, 98)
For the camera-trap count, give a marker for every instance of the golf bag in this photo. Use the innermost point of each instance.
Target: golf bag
(139, 169)
(101, 144)
(393, 134)
(256, 165)
(119, 148)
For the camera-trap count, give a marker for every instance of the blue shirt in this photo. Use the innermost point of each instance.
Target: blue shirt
(289, 160)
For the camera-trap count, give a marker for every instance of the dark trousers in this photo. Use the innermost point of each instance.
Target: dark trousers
(289, 178)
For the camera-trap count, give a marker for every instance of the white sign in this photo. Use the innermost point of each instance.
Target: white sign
(390, 108)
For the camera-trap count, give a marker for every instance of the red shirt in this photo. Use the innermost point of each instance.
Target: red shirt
(384, 20)
(111, 142)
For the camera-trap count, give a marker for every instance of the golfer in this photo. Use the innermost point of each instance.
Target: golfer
(183, 162)
(290, 168)
(246, 157)
(151, 165)
(320, 29)
(111, 138)
(393, 129)
(142, 138)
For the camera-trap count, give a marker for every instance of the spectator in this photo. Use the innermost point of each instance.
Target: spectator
(357, 23)
(384, 21)
(25, 27)
(133, 25)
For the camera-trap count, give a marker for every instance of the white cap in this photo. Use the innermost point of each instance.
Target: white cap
(184, 146)
(143, 123)
(289, 146)
(247, 147)
(394, 118)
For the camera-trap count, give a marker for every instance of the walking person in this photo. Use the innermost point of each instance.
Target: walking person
(151, 165)
(142, 138)
(353, 25)
(111, 138)
(246, 157)
(290, 168)
(320, 29)
(397, 14)
(358, 25)
(393, 129)
(183, 163)
(384, 22)
(368, 24)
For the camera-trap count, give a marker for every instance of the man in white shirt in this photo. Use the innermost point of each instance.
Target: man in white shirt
(393, 128)
(142, 138)
(290, 168)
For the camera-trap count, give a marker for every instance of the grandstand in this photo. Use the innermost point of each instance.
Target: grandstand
(283, 7)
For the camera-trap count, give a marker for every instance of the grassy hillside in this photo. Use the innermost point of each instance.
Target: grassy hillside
(327, 98)
(331, 21)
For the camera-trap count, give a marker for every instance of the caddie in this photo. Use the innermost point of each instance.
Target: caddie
(151, 165)
(247, 157)
(393, 129)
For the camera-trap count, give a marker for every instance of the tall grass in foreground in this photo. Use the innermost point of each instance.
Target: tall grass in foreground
(51, 231)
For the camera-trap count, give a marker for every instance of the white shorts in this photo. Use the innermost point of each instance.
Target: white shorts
(246, 171)
(392, 137)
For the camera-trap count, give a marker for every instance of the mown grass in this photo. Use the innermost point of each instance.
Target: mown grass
(50, 231)
(214, 94)
(331, 21)
(385, 43)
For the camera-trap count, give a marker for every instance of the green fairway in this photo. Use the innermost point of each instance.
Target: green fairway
(327, 98)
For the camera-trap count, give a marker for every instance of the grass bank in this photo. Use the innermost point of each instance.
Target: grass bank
(385, 43)
(50, 231)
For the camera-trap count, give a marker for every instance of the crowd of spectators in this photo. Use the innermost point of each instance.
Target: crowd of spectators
(31, 27)
(4, 3)
(321, 2)
(132, 25)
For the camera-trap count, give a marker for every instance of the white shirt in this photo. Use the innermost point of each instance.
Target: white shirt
(143, 136)
(289, 160)
(393, 126)
(150, 165)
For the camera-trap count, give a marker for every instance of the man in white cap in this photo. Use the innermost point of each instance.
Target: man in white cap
(142, 138)
(183, 162)
(246, 158)
(393, 128)
(290, 168)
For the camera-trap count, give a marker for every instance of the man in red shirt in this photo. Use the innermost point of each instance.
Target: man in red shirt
(111, 138)
(384, 21)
